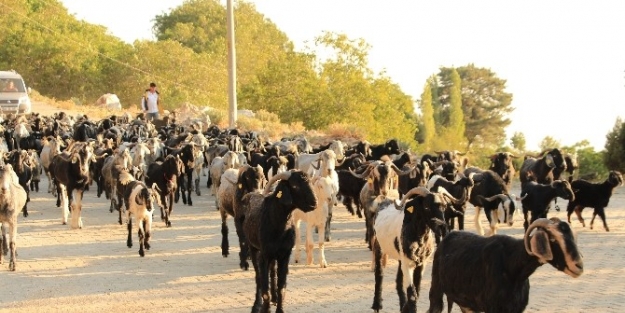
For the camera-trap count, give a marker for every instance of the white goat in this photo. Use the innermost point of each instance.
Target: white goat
(322, 186)
(51, 148)
(12, 200)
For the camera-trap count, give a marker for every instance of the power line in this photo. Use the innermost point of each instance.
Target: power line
(92, 49)
(201, 66)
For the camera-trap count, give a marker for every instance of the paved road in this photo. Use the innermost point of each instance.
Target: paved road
(92, 270)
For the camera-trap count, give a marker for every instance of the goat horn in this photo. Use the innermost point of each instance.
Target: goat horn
(449, 197)
(500, 196)
(398, 206)
(439, 152)
(365, 173)
(282, 176)
(243, 168)
(400, 172)
(339, 163)
(318, 164)
(460, 153)
(421, 191)
(541, 222)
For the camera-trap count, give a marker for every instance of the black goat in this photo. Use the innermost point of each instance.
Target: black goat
(572, 165)
(388, 148)
(542, 170)
(19, 160)
(70, 172)
(165, 175)
(536, 198)
(460, 189)
(492, 274)
(236, 183)
(270, 233)
(447, 169)
(352, 161)
(417, 176)
(405, 233)
(350, 186)
(453, 156)
(187, 156)
(596, 196)
(501, 163)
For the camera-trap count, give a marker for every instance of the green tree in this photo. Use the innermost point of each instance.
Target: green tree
(201, 26)
(485, 103)
(289, 87)
(518, 141)
(549, 143)
(428, 129)
(452, 135)
(614, 157)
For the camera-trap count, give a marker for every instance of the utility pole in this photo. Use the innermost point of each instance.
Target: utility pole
(232, 68)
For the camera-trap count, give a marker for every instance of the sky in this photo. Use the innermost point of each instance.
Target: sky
(563, 61)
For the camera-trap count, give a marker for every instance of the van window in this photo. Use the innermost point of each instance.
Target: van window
(11, 85)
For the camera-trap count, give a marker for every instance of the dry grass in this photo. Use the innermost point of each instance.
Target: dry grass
(93, 111)
(266, 124)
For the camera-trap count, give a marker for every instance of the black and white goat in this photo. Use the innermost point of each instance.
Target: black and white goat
(407, 233)
(139, 201)
(491, 193)
(12, 200)
(377, 175)
(594, 195)
(536, 198)
(492, 274)
(269, 230)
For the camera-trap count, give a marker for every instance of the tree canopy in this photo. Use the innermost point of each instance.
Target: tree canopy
(485, 103)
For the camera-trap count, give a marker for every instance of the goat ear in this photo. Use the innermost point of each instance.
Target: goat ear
(139, 199)
(481, 200)
(283, 195)
(549, 160)
(540, 246)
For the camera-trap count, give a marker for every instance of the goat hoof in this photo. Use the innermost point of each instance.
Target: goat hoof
(168, 224)
(245, 266)
(141, 253)
(25, 214)
(12, 266)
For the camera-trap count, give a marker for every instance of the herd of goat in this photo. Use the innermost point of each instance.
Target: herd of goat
(269, 188)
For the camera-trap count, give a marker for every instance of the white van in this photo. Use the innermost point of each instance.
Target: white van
(13, 93)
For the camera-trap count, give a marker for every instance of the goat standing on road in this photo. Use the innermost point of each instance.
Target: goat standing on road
(596, 196)
(12, 200)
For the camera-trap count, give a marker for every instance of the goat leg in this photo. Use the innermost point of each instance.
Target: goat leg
(379, 276)
(13, 256)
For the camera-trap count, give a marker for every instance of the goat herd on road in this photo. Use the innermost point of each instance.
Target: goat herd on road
(270, 187)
